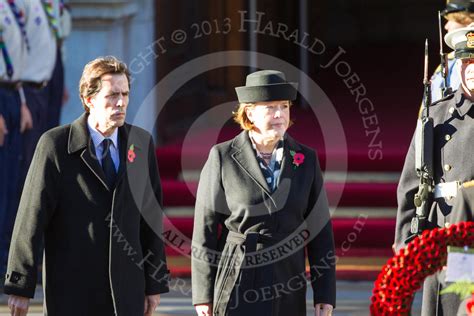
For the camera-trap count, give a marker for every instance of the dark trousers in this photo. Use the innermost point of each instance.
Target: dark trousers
(55, 89)
(37, 100)
(10, 154)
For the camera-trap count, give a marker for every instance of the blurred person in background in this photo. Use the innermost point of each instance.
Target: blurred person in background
(42, 73)
(60, 19)
(15, 117)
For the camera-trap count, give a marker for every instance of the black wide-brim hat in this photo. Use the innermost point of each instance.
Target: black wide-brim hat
(458, 6)
(266, 85)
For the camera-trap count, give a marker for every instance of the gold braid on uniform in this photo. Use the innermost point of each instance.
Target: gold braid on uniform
(468, 184)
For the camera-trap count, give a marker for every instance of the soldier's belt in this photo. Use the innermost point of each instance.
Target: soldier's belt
(450, 189)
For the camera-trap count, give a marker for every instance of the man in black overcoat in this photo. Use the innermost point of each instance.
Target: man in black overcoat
(92, 202)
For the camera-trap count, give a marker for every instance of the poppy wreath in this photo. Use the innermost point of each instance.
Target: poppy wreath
(405, 272)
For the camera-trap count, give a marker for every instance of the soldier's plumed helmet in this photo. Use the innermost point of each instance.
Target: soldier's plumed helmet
(462, 41)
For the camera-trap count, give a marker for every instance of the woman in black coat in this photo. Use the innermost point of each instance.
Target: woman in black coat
(260, 203)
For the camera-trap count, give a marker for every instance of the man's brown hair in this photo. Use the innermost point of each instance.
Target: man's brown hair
(90, 83)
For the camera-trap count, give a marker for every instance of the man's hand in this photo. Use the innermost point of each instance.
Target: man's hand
(151, 302)
(323, 310)
(3, 130)
(204, 309)
(26, 121)
(18, 305)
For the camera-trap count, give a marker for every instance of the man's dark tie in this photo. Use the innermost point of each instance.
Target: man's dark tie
(107, 163)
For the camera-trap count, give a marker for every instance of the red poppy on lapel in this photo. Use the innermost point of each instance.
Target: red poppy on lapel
(298, 158)
(131, 153)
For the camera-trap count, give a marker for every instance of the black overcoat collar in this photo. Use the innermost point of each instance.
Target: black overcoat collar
(244, 155)
(80, 141)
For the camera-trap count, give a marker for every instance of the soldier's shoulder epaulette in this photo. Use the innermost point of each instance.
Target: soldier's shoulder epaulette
(451, 55)
(446, 98)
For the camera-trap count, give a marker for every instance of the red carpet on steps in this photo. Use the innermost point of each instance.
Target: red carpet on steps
(180, 193)
(392, 140)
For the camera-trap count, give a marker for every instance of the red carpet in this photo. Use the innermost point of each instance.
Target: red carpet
(180, 193)
(361, 141)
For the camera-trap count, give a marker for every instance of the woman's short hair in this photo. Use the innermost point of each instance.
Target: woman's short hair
(462, 17)
(90, 83)
(241, 118)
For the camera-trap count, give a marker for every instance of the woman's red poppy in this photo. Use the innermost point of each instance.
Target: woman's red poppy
(298, 159)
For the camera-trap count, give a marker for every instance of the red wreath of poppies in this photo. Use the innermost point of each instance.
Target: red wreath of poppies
(404, 273)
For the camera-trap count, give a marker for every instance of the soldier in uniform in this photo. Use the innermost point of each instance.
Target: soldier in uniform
(60, 24)
(453, 166)
(458, 13)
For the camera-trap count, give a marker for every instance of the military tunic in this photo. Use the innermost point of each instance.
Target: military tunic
(453, 147)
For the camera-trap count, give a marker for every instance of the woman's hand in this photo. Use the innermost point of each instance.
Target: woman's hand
(323, 310)
(204, 309)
